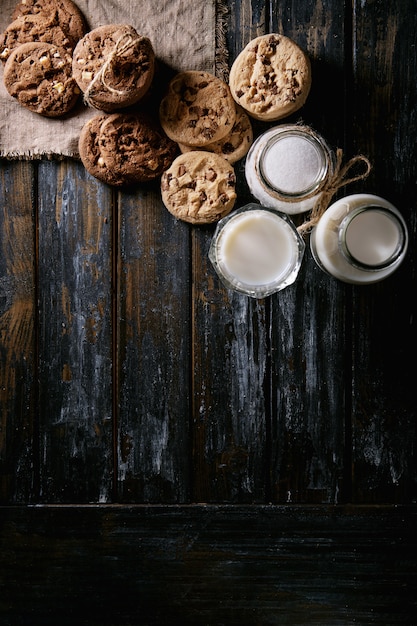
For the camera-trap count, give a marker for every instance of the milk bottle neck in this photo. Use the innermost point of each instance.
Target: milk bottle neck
(372, 238)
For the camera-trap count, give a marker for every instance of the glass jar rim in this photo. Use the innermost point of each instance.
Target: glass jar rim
(324, 170)
(257, 289)
(395, 255)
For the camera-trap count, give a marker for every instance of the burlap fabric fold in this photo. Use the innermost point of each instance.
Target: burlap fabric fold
(184, 34)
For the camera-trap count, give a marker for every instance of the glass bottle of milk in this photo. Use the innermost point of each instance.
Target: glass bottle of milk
(256, 250)
(360, 239)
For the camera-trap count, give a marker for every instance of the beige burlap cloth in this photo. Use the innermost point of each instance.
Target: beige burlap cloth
(184, 34)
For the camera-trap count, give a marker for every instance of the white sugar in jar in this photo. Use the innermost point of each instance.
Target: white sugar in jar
(360, 239)
(287, 168)
(256, 251)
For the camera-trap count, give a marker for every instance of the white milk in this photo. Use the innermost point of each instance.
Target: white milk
(372, 237)
(287, 166)
(256, 251)
(360, 239)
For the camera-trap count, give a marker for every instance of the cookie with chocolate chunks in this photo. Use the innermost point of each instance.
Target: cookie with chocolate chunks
(271, 77)
(29, 29)
(235, 145)
(199, 187)
(63, 13)
(39, 76)
(125, 148)
(113, 66)
(197, 109)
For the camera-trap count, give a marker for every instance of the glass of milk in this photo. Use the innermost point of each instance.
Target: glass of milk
(256, 251)
(360, 239)
(287, 168)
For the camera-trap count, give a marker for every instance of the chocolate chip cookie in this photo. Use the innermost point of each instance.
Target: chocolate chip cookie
(197, 109)
(113, 66)
(271, 77)
(63, 13)
(237, 142)
(32, 28)
(39, 76)
(199, 187)
(123, 148)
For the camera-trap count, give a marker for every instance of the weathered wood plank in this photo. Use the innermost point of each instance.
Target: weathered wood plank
(208, 565)
(75, 350)
(308, 383)
(229, 397)
(17, 333)
(229, 353)
(384, 336)
(153, 321)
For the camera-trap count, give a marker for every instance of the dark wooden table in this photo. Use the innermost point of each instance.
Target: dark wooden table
(171, 452)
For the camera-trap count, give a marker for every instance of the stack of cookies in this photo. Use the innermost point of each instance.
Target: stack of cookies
(36, 50)
(271, 77)
(200, 115)
(114, 68)
(199, 112)
(125, 148)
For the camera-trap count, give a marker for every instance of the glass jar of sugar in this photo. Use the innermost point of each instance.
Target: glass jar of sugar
(360, 239)
(256, 251)
(287, 168)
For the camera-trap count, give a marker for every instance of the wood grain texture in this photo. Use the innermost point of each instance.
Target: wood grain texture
(384, 332)
(153, 326)
(229, 337)
(310, 381)
(17, 333)
(75, 350)
(230, 457)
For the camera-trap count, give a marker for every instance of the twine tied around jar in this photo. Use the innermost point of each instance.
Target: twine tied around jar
(122, 45)
(339, 179)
